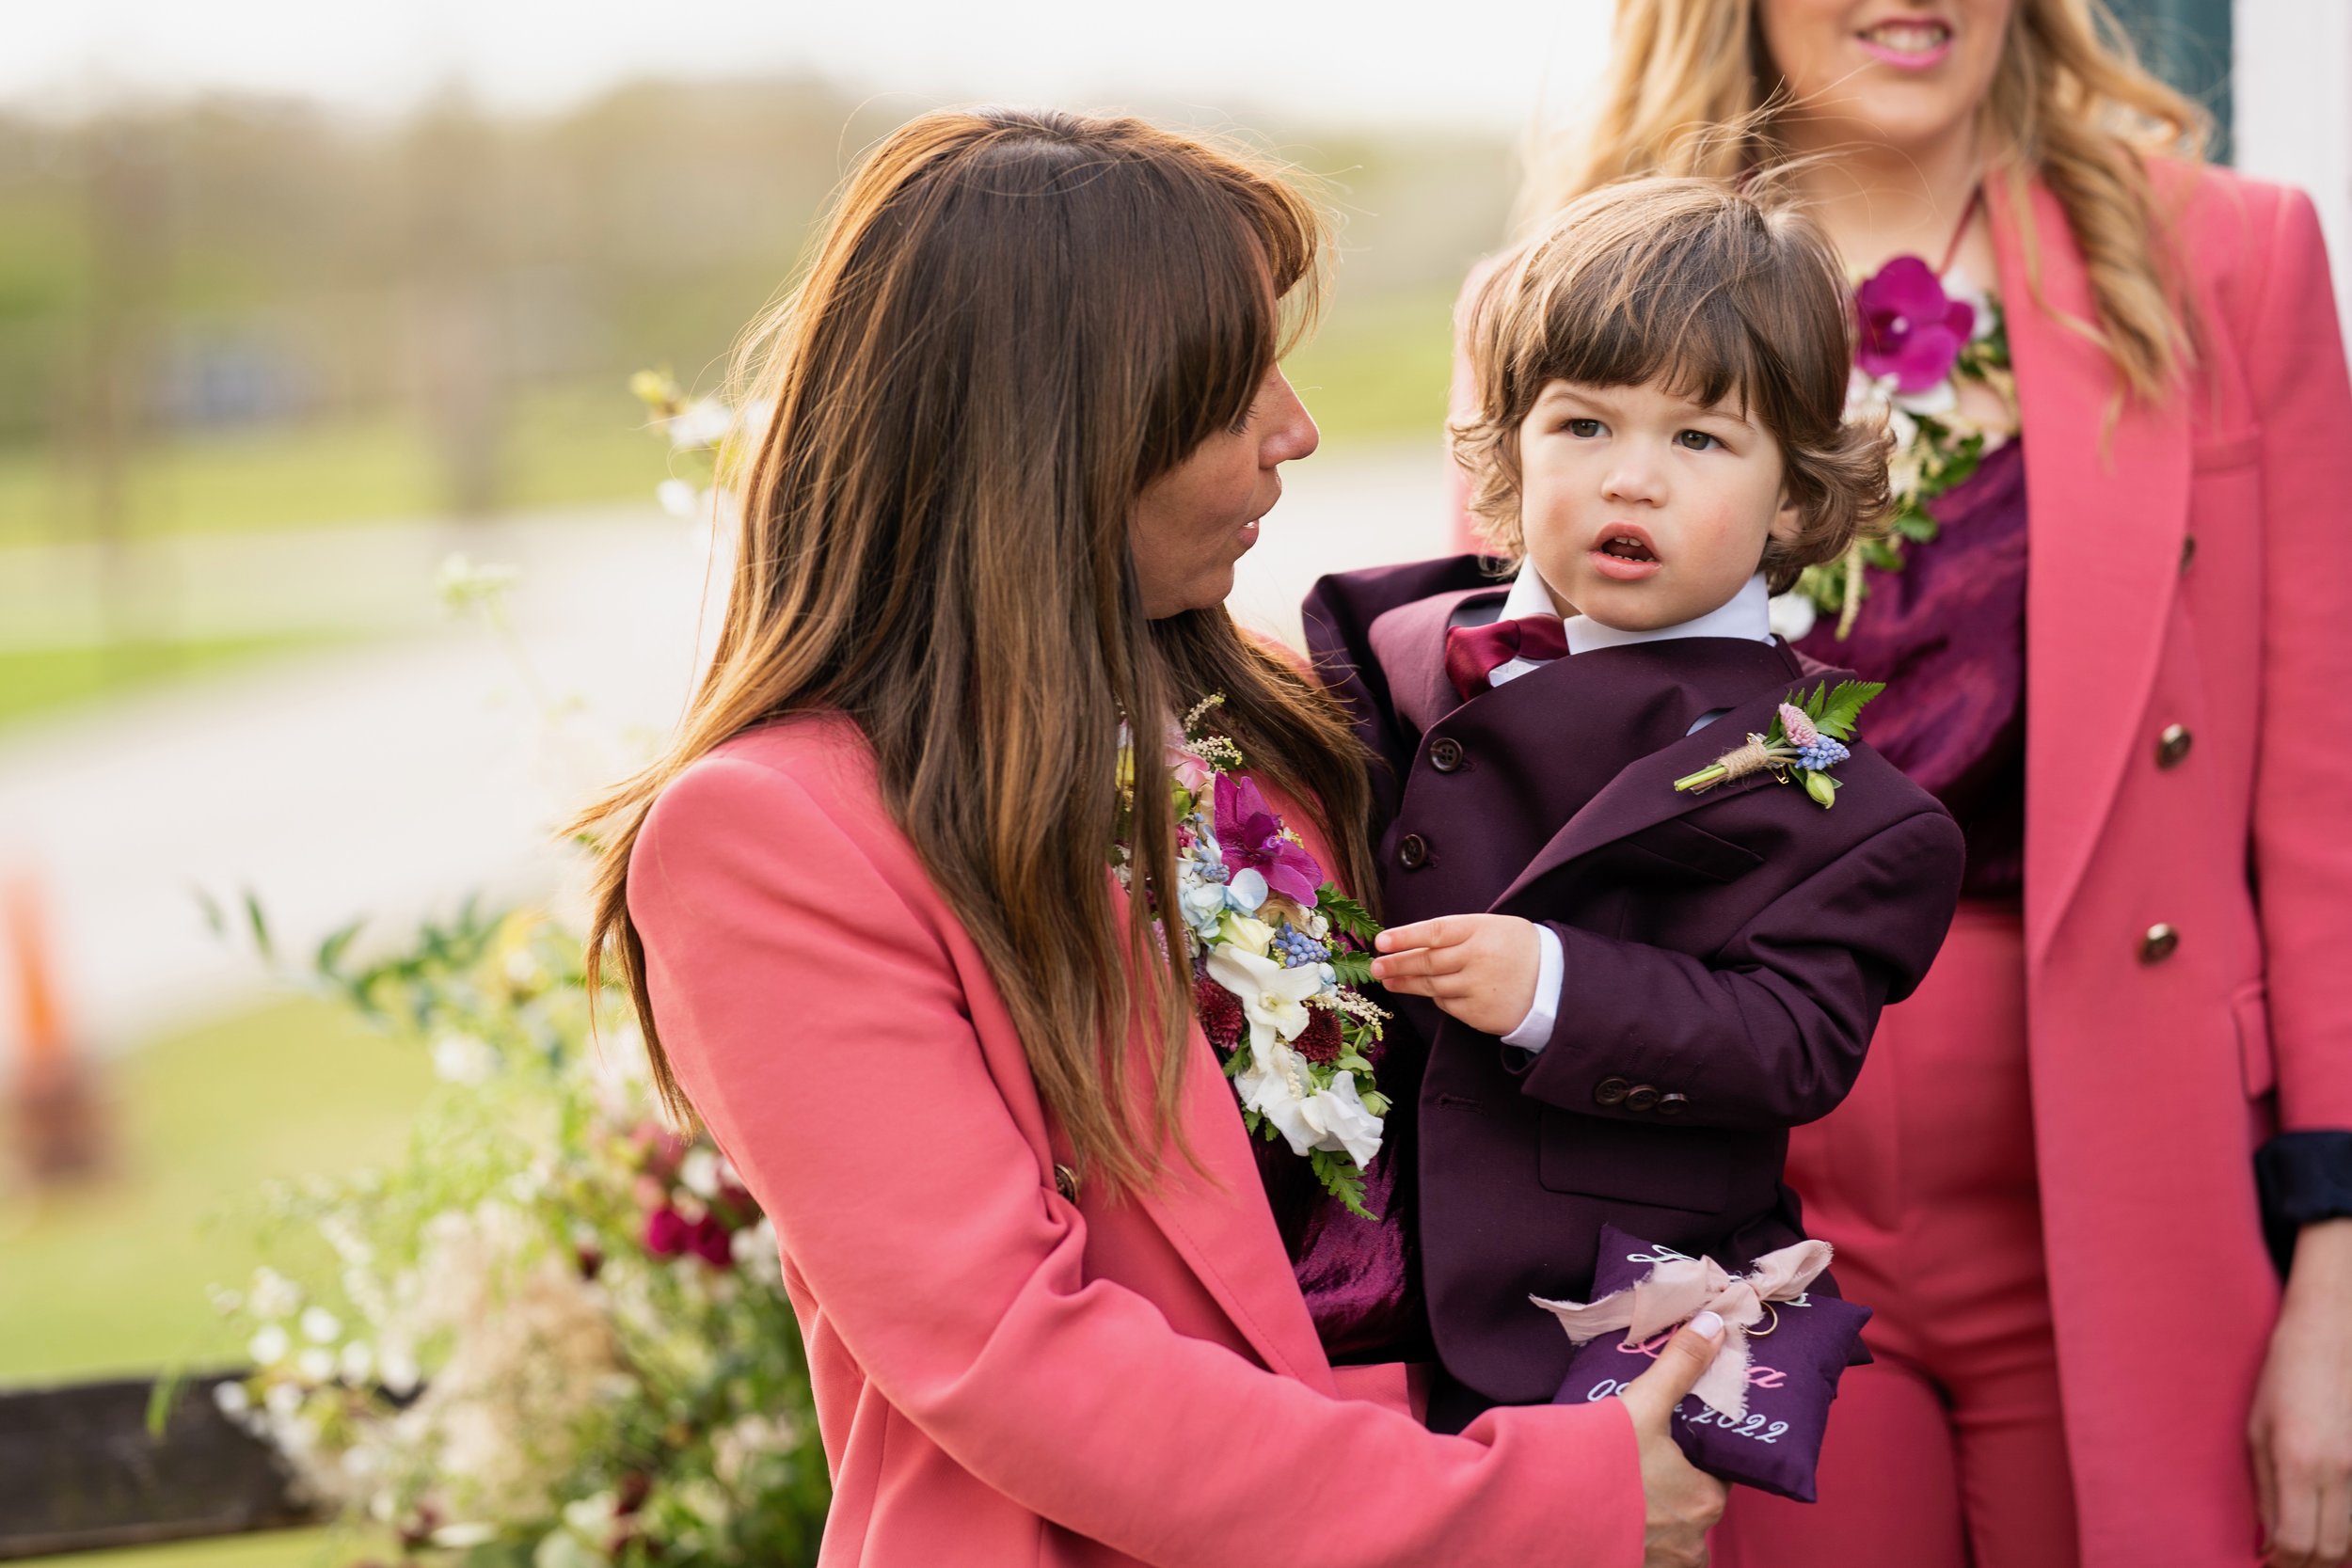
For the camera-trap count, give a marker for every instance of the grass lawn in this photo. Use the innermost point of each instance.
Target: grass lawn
(33, 682)
(117, 1272)
(112, 1280)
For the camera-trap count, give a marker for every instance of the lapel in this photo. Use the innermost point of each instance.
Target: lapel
(1409, 643)
(1224, 1230)
(1642, 794)
(2107, 508)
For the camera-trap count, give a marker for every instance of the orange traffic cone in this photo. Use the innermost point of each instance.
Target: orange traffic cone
(54, 1102)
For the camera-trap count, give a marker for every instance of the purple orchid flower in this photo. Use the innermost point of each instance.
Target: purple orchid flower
(1251, 836)
(1911, 328)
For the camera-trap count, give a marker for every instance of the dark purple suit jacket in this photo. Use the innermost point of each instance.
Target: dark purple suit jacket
(1727, 952)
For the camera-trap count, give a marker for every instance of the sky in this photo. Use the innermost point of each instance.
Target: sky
(1494, 65)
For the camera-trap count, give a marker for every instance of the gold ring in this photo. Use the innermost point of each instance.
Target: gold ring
(1760, 1332)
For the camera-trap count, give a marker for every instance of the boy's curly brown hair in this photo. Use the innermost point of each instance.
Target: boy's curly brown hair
(1722, 293)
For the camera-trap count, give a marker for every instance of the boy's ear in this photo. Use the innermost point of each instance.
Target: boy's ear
(1788, 522)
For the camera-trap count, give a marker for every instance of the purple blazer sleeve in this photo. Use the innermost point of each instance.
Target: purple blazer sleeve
(1769, 1031)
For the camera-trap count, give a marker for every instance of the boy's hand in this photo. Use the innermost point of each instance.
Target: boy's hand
(1480, 968)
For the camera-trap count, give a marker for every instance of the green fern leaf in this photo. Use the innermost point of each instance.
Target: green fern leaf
(1836, 717)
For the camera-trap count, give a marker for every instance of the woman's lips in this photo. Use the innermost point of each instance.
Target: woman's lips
(1908, 45)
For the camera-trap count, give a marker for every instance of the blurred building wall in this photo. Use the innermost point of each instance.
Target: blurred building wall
(2293, 78)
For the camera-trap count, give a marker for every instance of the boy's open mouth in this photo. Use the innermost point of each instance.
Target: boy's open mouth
(1625, 553)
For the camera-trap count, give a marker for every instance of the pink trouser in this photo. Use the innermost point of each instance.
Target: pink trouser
(1947, 1451)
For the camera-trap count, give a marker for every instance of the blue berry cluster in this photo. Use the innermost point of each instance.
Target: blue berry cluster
(1823, 753)
(1295, 948)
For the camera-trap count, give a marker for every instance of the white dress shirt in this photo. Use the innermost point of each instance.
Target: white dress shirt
(1747, 613)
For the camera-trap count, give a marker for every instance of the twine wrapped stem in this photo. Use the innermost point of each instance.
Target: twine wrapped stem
(1754, 757)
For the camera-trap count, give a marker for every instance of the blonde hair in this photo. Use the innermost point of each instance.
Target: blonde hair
(1013, 322)
(2070, 101)
(1716, 291)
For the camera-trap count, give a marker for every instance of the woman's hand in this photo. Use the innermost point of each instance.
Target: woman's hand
(1680, 1504)
(1480, 968)
(2301, 1426)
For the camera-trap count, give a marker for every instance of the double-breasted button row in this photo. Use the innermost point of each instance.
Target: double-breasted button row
(1445, 754)
(1640, 1098)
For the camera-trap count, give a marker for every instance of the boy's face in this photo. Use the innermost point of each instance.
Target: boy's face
(1642, 509)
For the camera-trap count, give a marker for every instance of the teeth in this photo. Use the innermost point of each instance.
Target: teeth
(1912, 38)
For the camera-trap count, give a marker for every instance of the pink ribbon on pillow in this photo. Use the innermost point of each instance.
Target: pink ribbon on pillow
(1678, 1289)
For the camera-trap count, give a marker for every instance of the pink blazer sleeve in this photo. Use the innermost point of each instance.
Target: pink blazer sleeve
(2303, 774)
(807, 982)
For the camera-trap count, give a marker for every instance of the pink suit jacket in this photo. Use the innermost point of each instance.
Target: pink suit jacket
(2191, 565)
(1004, 1376)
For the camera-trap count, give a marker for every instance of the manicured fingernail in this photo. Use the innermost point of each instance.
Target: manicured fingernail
(1381, 942)
(1709, 1324)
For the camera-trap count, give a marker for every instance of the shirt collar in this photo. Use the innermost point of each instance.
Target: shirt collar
(1747, 614)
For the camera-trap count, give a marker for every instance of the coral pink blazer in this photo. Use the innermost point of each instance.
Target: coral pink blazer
(2191, 565)
(1004, 1376)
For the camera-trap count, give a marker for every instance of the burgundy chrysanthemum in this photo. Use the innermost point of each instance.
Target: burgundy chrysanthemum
(1220, 1014)
(1320, 1041)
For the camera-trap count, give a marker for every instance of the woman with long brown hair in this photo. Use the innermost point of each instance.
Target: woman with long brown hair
(2132, 1065)
(1027, 417)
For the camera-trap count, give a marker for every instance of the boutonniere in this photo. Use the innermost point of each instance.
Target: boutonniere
(1807, 739)
(1277, 953)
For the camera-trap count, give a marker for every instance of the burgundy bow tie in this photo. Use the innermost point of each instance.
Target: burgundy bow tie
(1472, 653)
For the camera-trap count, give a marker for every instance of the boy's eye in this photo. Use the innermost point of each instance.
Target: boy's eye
(1696, 440)
(1583, 430)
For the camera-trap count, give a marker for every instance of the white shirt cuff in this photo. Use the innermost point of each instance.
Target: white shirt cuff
(1534, 1030)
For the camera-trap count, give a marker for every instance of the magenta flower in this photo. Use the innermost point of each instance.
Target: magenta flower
(1249, 835)
(1911, 328)
(667, 1233)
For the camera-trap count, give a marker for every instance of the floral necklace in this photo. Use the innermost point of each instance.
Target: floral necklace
(1923, 331)
(1277, 954)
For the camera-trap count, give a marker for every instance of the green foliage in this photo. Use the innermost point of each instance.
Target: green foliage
(556, 1332)
(1346, 916)
(1342, 1180)
(1835, 710)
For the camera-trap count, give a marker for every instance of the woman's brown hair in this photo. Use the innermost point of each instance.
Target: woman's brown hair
(1715, 292)
(2069, 102)
(1011, 323)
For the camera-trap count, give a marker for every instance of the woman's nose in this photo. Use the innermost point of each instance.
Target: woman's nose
(1289, 431)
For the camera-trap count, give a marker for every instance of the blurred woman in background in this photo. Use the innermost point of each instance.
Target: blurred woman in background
(2110, 360)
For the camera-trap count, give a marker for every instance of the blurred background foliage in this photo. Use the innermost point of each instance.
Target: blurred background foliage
(240, 314)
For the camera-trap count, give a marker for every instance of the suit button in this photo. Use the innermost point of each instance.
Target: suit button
(1642, 1096)
(2188, 550)
(1412, 851)
(2172, 745)
(1610, 1091)
(2158, 943)
(1673, 1104)
(1445, 754)
(1066, 1182)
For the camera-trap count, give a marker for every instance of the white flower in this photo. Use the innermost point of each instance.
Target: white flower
(676, 497)
(355, 1362)
(459, 1537)
(1275, 1084)
(1274, 999)
(233, 1399)
(1940, 398)
(704, 422)
(1792, 615)
(461, 1058)
(269, 1346)
(698, 1173)
(320, 1326)
(315, 1365)
(273, 1294)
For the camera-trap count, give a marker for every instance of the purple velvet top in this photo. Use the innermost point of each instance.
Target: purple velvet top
(1356, 1274)
(1947, 635)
